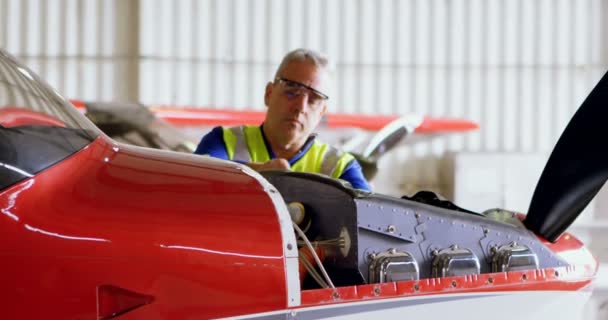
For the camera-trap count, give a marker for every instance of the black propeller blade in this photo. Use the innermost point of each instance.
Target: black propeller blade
(576, 170)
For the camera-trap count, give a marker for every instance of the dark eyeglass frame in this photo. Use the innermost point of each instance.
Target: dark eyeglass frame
(298, 84)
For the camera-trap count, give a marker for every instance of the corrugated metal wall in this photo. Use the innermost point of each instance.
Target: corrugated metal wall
(85, 49)
(518, 67)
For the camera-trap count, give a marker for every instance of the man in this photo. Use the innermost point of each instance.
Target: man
(296, 102)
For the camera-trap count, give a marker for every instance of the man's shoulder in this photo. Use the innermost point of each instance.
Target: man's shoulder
(217, 132)
(212, 143)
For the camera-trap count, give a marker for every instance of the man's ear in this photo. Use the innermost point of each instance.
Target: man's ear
(267, 93)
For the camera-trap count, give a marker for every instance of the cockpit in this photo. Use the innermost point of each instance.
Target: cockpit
(37, 127)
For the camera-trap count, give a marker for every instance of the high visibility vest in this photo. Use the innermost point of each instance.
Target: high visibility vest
(246, 144)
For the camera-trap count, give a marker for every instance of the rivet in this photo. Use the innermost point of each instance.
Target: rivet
(454, 284)
(490, 280)
(289, 246)
(556, 273)
(336, 295)
(376, 291)
(416, 287)
(391, 228)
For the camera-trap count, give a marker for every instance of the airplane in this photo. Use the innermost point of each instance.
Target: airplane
(367, 137)
(96, 229)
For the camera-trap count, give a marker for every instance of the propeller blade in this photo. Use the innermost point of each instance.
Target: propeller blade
(576, 170)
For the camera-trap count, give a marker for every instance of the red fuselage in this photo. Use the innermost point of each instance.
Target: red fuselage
(200, 237)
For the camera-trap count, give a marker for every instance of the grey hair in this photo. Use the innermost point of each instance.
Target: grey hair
(301, 54)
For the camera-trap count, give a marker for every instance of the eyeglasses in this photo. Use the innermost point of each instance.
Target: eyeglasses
(293, 89)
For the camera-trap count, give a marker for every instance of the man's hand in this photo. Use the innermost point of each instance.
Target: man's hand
(274, 164)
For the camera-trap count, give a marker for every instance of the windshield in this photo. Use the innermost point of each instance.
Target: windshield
(38, 127)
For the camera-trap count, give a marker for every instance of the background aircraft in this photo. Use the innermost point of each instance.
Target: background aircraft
(179, 129)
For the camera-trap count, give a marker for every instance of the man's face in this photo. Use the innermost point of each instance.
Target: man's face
(296, 102)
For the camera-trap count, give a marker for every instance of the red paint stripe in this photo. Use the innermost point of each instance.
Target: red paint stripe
(216, 117)
(192, 116)
(435, 125)
(208, 117)
(79, 105)
(366, 122)
(558, 279)
(15, 116)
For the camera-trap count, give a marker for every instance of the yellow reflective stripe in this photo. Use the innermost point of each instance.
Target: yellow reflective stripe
(230, 142)
(311, 161)
(255, 142)
(245, 143)
(323, 158)
(238, 146)
(343, 162)
(330, 160)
